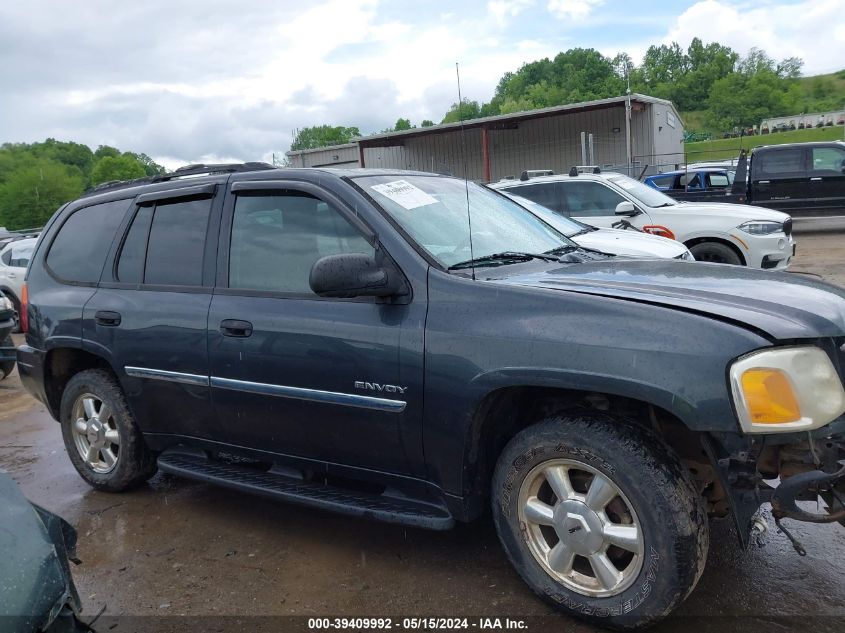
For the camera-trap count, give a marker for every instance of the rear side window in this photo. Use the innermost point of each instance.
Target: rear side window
(6, 257)
(781, 162)
(717, 179)
(79, 250)
(165, 244)
(663, 182)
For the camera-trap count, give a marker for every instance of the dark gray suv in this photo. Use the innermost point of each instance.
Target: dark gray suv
(345, 340)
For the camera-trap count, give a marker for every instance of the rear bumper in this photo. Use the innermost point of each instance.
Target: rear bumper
(31, 371)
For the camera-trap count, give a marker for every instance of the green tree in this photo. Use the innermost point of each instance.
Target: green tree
(121, 167)
(426, 123)
(151, 168)
(402, 124)
(32, 193)
(106, 150)
(467, 110)
(323, 136)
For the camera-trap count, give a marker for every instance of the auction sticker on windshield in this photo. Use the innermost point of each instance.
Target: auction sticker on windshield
(404, 193)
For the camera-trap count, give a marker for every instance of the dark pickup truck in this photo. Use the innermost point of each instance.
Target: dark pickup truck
(421, 350)
(802, 179)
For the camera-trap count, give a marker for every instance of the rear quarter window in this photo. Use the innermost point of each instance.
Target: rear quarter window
(79, 250)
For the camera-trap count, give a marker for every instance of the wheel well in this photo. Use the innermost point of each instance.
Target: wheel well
(60, 366)
(718, 240)
(505, 412)
(11, 295)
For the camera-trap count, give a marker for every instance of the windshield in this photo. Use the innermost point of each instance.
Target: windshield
(648, 196)
(433, 211)
(567, 226)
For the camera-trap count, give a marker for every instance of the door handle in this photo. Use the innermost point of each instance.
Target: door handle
(236, 328)
(763, 182)
(11, 275)
(815, 179)
(107, 318)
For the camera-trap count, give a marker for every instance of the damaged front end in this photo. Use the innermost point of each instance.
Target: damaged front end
(36, 587)
(782, 470)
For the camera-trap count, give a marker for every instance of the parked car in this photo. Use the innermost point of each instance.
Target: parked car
(718, 233)
(804, 179)
(613, 241)
(14, 258)
(344, 340)
(8, 322)
(37, 593)
(694, 184)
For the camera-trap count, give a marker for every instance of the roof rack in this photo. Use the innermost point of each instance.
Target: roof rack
(188, 170)
(534, 173)
(584, 169)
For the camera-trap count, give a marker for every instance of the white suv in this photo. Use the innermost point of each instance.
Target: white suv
(14, 258)
(714, 232)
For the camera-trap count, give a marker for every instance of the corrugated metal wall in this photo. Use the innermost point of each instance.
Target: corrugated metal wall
(547, 143)
(552, 142)
(342, 157)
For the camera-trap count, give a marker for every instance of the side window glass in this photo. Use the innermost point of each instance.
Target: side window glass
(590, 199)
(6, 257)
(828, 159)
(176, 243)
(544, 194)
(782, 163)
(717, 180)
(277, 238)
(130, 266)
(79, 250)
(663, 182)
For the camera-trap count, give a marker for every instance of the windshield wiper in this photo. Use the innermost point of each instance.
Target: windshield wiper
(502, 258)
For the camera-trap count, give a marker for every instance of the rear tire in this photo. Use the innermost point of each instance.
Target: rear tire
(102, 439)
(715, 253)
(628, 542)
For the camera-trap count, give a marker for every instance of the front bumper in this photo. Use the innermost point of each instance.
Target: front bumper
(769, 252)
(782, 469)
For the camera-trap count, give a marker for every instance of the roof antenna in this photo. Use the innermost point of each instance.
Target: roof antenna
(464, 159)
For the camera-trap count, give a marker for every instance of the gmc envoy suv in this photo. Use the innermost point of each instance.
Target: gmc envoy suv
(344, 340)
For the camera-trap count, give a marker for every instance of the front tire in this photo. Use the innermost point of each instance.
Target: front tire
(600, 518)
(101, 437)
(715, 253)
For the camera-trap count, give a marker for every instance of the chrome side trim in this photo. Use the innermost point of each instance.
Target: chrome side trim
(313, 395)
(170, 376)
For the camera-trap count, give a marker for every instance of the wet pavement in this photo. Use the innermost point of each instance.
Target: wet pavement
(180, 548)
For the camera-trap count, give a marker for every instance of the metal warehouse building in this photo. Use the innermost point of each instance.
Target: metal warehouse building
(628, 134)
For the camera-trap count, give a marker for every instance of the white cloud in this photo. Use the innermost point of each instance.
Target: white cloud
(503, 10)
(813, 30)
(573, 9)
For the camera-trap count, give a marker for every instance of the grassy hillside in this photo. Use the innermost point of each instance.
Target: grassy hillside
(818, 93)
(729, 147)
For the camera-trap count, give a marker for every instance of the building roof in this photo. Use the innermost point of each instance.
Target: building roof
(299, 152)
(504, 120)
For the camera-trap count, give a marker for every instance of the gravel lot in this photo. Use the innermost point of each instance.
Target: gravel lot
(179, 548)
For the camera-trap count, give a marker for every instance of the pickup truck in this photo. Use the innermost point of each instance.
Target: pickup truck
(422, 350)
(701, 184)
(802, 179)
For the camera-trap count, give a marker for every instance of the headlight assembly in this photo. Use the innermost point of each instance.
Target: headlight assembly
(786, 389)
(761, 227)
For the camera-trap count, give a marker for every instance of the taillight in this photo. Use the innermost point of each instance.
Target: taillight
(24, 316)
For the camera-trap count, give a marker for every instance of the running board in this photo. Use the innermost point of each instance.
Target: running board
(391, 509)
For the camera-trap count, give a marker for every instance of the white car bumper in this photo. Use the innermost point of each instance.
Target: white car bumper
(769, 252)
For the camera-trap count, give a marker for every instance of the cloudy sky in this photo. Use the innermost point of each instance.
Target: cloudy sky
(185, 81)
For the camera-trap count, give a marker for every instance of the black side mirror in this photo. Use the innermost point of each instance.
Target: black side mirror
(351, 275)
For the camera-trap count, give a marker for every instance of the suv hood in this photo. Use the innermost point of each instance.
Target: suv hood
(726, 209)
(783, 305)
